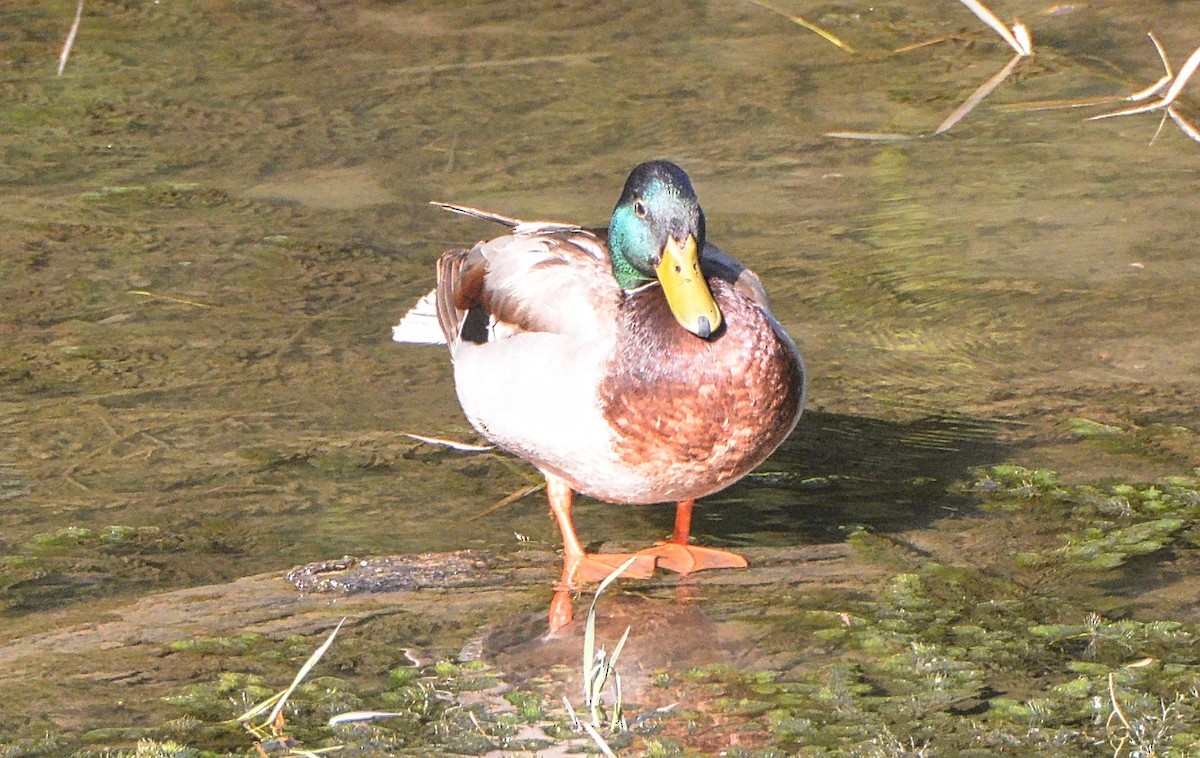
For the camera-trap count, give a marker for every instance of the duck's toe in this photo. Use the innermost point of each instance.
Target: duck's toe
(684, 559)
(596, 567)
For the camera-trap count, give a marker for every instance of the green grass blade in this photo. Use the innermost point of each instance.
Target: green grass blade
(260, 707)
(616, 653)
(618, 716)
(596, 686)
(303, 672)
(600, 743)
(612, 577)
(589, 632)
(589, 654)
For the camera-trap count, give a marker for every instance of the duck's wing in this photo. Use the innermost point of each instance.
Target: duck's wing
(714, 262)
(541, 278)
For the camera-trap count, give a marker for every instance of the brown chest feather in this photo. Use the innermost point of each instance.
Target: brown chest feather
(719, 405)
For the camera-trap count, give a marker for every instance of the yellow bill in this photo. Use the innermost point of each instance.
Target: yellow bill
(687, 292)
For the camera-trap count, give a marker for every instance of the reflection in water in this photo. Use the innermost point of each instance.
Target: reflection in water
(213, 217)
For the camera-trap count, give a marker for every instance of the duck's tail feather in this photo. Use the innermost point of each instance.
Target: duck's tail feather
(518, 226)
(420, 325)
(466, 210)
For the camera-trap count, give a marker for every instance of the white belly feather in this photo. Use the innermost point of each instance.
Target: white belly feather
(545, 408)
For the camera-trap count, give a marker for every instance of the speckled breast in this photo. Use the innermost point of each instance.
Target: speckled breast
(693, 415)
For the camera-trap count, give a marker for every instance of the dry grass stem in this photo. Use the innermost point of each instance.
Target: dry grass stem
(1024, 38)
(872, 136)
(1181, 79)
(1161, 123)
(168, 298)
(354, 716)
(280, 699)
(600, 742)
(1054, 105)
(926, 43)
(1017, 38)
(1166, 102)
(66, 51)
(461, 446)
(1184, 125)
(977, 96)
(507, 500)
(1157, 87)
(1153, 89)
(567, 59)
(824, 34)
(1128, 111)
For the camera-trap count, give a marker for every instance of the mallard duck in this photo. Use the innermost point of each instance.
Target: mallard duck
(636, 365)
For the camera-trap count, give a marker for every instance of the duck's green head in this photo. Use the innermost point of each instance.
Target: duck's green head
(656, 234)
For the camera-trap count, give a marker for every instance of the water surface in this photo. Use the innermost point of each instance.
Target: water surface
(212, 219)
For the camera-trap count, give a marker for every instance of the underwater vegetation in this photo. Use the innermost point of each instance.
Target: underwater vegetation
(974, 656)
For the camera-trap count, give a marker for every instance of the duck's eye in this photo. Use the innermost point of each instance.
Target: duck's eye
(640, 208)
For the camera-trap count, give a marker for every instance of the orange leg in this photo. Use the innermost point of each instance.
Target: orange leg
(579, 566)
(678, 556)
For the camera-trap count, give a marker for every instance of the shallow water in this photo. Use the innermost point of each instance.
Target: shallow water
(212, 219)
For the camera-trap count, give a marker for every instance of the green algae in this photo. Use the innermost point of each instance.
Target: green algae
(1103, 525)
(433, 706)
(66, 564)
(944, 657)
(949, 656)
(933, 664)
(967, 659)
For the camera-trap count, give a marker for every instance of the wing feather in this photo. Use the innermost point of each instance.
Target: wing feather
(552, 280)
(541, 277)
(715, 262)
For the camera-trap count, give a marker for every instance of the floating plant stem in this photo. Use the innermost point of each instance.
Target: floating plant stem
(1181, 79)
(355, 716)
(506, 500)
(1166, 103)
(1128, 111)
(924, 43)
(978, 95)
(1018, 41)
(281, 698)
(70, 42)
(1184, 125)
(1155, 88)
(168, 298)
(1161, 123)
(828, 36)
(1018, 38)
(1060, 104)
(461, 446)
(872, 136)
(1024, 38)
